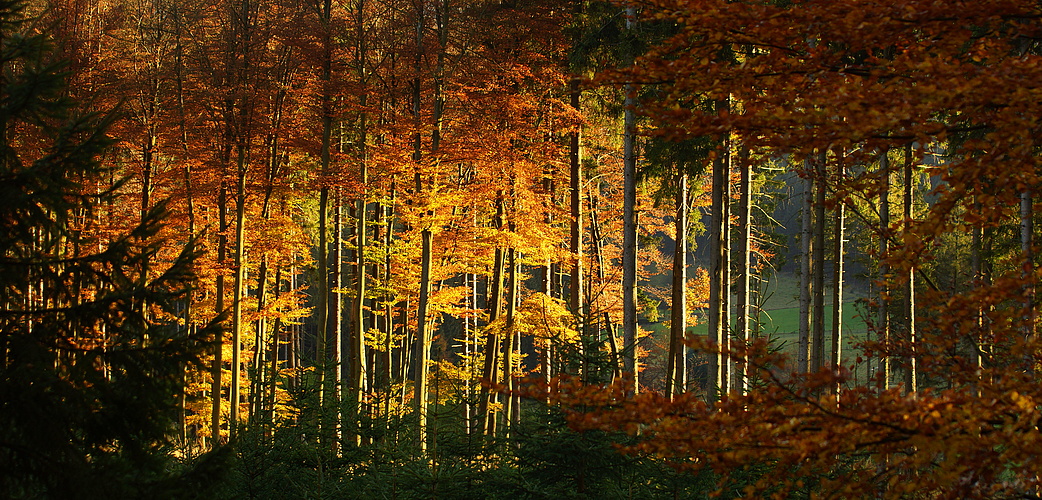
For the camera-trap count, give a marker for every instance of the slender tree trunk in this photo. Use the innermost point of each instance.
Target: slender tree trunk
(726, 362)
(324, 292)
(717, 266)
(218, 354)
(818, 333)
(335, 337)
(273, 358)
(423, 354)
(494, 305)
(837, 281)
(575, 246)
(629, 231)
(1027, 214)
(387, 214)
(240, 288)
(803, 355)
(975, 336)
(742, 292)
(488, 397)
(911, 372)
(508, 342)
(676, 370)
(883, 320)
(357, 375)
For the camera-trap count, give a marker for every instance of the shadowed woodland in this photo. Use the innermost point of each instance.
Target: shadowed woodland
(519, 249)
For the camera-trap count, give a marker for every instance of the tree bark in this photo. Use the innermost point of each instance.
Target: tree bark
(629, 231)
(676, 370)
(818, 333)
(1027, 229)
(837, 281)
(718, 264)
(742, 292)
(575, 245)
(911, 372)
(803, 355)
(324, 292)
(883, 313)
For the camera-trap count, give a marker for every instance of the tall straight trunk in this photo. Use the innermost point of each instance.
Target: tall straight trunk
(388, 370)
(240, 288)
(910, 374)
(508, 341)
(575, 245)
(742, 292)
(1027, 214)
(837, 280)
(718, 265)
(273, 357)
(494, 305)
(187, 174)
(803, 353)
(629, 228)
(259, 338)
(486, 417)
(676, 369)
(716, 310)
(335, 336)
(357, 372)
(218, 354)
(975, 336)
(818, 333)
(883, 313)
(293, 345)
(325, 155)
(727, 362)
(423, 341)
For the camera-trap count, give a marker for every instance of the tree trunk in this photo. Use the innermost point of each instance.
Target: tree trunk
(629, 230)
(575, 245)
(742, 292)
(910, 374)
(598, 241)
(357, 375)
(837, 281)
(676, 369)
(883, 313)
(218, 354)
(508, 342)
(818, 333)
(717, 266)
(803, 354)
(324, 292)
(423, 354)
(485, 418)
(335, 337)
(1027, 214)
(240, 289)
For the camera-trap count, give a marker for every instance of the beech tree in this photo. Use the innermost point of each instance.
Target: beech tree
(92, 352)
(862, 77)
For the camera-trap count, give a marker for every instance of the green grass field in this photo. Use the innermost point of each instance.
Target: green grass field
(780, 317)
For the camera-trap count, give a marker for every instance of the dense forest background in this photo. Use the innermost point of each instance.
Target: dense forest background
(519, 249)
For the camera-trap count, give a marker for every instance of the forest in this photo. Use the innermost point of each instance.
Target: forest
(425, 249)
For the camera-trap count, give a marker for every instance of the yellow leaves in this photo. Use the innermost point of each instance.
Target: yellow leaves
(1023, 403)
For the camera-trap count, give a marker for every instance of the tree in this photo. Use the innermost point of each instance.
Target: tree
(92, 349)
(861, 77)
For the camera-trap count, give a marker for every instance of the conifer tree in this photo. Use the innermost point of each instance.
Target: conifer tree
(91, 354)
